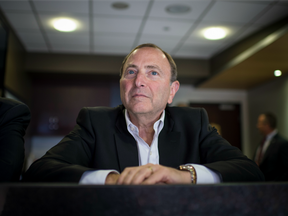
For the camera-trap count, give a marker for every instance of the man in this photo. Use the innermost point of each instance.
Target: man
(272, 154)
(143, 141)
(14, 119)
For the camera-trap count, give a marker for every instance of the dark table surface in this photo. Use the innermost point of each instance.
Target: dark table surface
(72, 199)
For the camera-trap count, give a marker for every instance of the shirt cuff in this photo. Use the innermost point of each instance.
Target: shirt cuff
(205, 175)
(95, 177)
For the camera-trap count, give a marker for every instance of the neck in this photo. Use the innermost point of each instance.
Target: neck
(145, 124)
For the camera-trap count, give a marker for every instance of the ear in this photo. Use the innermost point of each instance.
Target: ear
(173, 89)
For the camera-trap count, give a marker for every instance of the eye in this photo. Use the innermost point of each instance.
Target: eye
(154, 73)
(130, 73)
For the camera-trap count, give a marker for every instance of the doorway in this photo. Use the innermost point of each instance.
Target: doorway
(226, 118)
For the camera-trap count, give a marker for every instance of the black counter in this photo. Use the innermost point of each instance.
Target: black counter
(71, 199)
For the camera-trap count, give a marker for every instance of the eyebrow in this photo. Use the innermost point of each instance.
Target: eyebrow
(131, 65)
(148, 67)
(153, 67)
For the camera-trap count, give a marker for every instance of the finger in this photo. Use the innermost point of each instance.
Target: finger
(156, 178)
(168, 175)
(141, 175)
(126, 175)
(160, 183)
(161, 175)
(135, 175)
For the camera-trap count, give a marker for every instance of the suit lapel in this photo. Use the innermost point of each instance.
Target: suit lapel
(167, 143)
(268, 150)
(125, 144)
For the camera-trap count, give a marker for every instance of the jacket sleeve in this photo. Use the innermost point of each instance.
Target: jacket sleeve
(14, 119)
(69, 159)
(228, 161)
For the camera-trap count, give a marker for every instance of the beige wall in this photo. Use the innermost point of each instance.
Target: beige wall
(16, 79)
(271, 97)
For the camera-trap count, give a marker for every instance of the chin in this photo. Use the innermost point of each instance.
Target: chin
(140, 109)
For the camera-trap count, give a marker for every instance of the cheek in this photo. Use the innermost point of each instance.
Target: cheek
(124, 87)
(164, 90)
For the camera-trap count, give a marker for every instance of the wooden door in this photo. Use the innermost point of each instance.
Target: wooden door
(226, 118)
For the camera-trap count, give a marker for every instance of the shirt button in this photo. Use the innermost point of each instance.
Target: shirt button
(150, 152)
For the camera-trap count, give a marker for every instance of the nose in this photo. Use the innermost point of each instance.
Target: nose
(140, 80)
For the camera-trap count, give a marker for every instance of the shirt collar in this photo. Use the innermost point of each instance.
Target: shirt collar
(271, 135)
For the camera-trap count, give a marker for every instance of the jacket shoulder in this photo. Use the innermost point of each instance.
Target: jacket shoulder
(280, 139)
(185, 112)
(11, 109)
(102, 110)
(105, 114)
(7, 104)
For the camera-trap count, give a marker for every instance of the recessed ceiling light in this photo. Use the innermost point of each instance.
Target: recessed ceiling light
(120, 5)
(64, 24)
(214, 33)
(166, 28)
(277, 73)
(177, 9)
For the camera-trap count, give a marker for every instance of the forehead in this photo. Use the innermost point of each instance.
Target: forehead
(261, 118)
(148, 55)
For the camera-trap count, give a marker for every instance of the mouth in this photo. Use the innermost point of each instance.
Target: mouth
(139, 95)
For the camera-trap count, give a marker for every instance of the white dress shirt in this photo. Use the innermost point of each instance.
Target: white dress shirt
(148, 154)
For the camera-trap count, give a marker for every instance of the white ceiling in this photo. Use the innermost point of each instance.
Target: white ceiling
(105, 30)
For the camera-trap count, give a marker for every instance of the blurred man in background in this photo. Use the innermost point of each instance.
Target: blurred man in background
(272, 153)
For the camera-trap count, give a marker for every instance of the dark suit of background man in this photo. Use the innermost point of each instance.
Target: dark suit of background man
(272, 153)
(143, 141)
(14, 119)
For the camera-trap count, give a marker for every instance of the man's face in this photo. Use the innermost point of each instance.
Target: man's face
(262, 125)
(145, 83)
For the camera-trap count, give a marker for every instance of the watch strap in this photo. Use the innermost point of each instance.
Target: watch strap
(191, 169)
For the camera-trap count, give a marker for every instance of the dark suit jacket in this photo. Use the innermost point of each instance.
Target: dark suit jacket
(100, 140)
(274, 164)
(14, 119)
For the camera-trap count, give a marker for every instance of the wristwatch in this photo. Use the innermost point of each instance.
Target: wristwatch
(191, 169)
